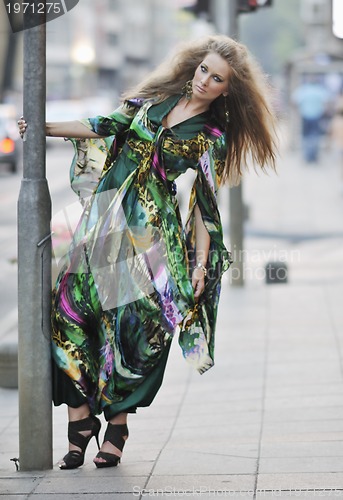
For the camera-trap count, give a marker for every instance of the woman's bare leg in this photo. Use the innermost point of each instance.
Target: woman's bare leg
(107, 447)
(75, 414)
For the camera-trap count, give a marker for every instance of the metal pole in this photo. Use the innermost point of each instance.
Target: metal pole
(236, 195)
(220, 12)
(233, 19)
(34, 257)
(226, 22)
(236, 234)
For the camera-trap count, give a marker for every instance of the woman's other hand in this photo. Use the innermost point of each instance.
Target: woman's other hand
(198, 282)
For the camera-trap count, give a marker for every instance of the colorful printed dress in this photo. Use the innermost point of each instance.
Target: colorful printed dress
(125, 287)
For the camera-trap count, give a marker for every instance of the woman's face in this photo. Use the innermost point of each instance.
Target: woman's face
(211, 78)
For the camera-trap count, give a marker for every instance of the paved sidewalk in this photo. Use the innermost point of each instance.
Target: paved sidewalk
(267, 420)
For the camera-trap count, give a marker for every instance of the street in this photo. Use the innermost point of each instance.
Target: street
(59, 156)
(266, 421)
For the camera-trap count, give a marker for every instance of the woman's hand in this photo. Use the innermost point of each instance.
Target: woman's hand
(198, 282)
(22, 125)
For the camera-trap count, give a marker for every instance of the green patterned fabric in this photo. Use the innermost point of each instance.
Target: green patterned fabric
(124, 289)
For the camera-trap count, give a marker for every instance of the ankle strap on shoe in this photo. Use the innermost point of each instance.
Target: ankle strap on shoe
(115, 434)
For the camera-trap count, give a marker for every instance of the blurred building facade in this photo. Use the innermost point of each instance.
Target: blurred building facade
(11, 73)
(321, 56)
(322, 52)
(101, 48)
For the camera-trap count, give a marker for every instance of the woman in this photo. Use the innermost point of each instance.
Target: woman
(134, 276)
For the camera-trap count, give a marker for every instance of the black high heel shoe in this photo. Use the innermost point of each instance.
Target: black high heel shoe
(75, 458)
(116, 434)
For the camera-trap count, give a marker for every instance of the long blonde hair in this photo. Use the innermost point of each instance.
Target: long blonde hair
(251, 129)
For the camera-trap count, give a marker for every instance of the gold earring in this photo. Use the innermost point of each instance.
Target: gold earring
(226, 110)
(188, 90)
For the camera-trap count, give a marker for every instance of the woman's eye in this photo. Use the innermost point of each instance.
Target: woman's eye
(217, 79)
(203, 69)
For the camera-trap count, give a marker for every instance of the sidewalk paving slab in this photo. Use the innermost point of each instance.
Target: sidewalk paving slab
(266, 421)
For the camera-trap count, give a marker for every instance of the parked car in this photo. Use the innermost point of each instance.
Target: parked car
(8, 137)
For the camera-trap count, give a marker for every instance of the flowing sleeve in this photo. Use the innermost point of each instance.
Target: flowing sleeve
(197, 331)
(117, 122)
(92, 157)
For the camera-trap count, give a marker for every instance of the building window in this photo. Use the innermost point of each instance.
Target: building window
(112, 39)
(113, 5)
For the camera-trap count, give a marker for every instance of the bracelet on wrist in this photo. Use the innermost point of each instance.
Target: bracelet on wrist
(199, 265)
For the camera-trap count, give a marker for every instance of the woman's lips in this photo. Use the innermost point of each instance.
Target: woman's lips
(200, 89)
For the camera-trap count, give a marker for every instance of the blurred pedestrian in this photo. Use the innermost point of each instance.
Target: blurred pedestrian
(134, 276)
(336, 134)
(311, 99)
